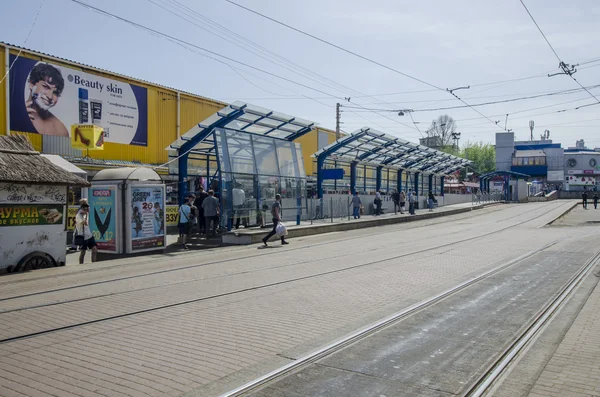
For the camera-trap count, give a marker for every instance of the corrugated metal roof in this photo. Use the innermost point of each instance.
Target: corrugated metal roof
(93, 68)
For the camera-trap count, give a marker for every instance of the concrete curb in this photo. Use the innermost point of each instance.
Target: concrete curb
(255, 236)
(571, 208)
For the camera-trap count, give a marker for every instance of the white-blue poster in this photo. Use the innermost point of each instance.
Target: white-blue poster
(47, 99)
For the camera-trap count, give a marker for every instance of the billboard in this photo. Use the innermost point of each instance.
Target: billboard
(147, 217)
(47, 99)
(581, 180)
(31, 214)
(103, 217)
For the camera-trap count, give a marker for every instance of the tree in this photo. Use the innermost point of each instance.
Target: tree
(442, 127)
(483, 156)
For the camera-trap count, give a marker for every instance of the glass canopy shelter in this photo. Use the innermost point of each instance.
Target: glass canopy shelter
(367, 149)
(247, 156)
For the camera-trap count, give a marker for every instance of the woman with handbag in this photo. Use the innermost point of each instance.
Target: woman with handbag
(83, 235)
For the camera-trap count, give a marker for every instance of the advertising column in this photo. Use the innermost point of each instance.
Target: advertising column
(103, 217)
(147, 227)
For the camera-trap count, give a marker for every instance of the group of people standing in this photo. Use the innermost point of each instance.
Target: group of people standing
(585, 197)
(399, 199)
(200, 211)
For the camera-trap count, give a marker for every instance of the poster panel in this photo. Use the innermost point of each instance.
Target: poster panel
(147, 227)
(103, 217)
(31, 214)
(47, 99)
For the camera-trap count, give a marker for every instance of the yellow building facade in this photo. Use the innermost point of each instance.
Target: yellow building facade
(161, 114)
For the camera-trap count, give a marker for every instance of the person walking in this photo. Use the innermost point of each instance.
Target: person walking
(202, 195)
(356, 203)
(276, 213)
(396, 200)
(402, 202)
(211, 212)
(185, 211)
(595, 201)
(584, 197)
(430, 201)
(82, 230)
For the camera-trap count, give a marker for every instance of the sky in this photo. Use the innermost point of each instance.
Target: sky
(462, 43)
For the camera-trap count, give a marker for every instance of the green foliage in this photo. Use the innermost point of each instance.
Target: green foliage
(483, 156)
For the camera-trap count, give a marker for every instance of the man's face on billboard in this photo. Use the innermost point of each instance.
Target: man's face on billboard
(44, 93)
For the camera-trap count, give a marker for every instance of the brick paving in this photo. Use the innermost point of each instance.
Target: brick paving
(172, 351)
(574, 369)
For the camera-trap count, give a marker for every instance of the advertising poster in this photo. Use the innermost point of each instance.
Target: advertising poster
(71, 214)
(103, 216)
(172, 215)
(48, 99)
(147, 217)
(581, 180)
(31, 214)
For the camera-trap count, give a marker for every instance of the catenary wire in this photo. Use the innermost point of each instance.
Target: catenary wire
(39, 10)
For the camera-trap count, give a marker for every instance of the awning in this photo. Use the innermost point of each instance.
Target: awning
(65, 165)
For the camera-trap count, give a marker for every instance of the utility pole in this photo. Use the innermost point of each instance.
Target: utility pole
(337, 121)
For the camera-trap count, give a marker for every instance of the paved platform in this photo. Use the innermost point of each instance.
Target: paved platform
(203, 322)
(319, 226)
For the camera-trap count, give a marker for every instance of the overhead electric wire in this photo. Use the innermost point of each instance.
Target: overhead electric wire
(570, 91)
(35, 18)
(357, 55)
(554, 51)
(278, 58)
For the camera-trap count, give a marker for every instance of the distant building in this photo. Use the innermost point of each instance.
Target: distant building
(434, 142)
(572, 169)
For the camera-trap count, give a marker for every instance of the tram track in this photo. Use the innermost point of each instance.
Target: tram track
(426, 223)
(216, 262)
(362, 334)
(506, 359)
(252, 288)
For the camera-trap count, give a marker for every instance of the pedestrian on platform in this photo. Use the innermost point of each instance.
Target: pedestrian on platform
(185, 211)
(595, 201)
(356, 203)
(412, 201)
(83, 234)
(430, 201)
(276, 213)
(584, 197)
(202, 195)
(402, 202)
(396, 200)
(377, 203)
(210, 205)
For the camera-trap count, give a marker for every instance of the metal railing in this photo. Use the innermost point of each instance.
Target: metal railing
(483, 198)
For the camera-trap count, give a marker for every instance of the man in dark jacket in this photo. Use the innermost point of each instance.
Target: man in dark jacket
(584, 197)
(198, 204)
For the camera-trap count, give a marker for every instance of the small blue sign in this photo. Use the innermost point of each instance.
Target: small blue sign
(336, 173)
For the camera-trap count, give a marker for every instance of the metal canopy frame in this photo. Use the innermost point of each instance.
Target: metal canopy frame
(484, 181)
(375, 148)
(238, 116)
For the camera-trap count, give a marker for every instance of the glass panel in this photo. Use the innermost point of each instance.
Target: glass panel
(360, 178)
(300, 162)
(392, 180)
(266, 161)
(287, 167)
(244, 200)
(240, 152)
(220, 138)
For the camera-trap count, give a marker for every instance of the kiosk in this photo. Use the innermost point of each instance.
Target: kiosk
(127, 207)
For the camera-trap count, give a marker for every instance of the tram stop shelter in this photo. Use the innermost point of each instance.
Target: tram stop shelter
(246, 154)
(509, 179)
(396, 164)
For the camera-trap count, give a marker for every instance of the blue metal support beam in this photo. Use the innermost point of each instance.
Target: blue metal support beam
(430, 182)
(399, 181)
(416, 182)
(378, 178)
(353, 177)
